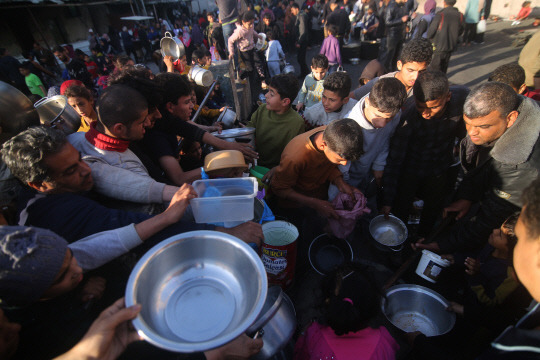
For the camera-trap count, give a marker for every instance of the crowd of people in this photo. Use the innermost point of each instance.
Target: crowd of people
(83, 207)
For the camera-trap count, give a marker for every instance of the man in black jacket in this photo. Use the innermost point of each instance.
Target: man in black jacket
(340, 19)
(444, 31)
(395, 19)
(421, 158)
(500, 156)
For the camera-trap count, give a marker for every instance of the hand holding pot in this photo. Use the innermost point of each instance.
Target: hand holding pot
(242, 347)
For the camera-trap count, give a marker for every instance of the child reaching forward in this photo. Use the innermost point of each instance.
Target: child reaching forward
(351, 303)
(244, 36)
(523, 13)
(330, 49)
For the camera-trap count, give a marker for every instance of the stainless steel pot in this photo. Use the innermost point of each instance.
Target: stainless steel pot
(276, 323)
(16, 110)
(57, 113)
(391, 233)
(288, 69)
(417, 308)
(172, 46)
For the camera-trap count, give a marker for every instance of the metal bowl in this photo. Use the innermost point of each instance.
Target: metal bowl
(417, 308)
(326, 253)
(390, 232)
(245, 135)
(198, 290)
(355, 61)
(16, 110)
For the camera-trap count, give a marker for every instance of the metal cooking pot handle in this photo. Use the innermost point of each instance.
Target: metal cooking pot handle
(40, 101)
(399, 249)
(168, 33)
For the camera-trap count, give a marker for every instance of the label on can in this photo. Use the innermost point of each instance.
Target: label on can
(279, 252)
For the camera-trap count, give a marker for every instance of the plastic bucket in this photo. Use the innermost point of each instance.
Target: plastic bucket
(279, 252)
(430, 266)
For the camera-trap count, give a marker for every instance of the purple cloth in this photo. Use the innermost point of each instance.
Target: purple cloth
(330, 48)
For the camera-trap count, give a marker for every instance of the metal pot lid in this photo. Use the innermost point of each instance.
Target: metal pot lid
(233, 133)
(274, 298)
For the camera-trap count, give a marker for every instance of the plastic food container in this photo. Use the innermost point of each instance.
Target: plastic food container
(430, 266)
(224, 199)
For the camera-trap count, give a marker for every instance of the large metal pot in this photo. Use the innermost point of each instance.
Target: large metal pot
(16, 110)
(198, 291)
(172, 46)
(327, 253)
(417, 308)
(57, 113)
(276, 323)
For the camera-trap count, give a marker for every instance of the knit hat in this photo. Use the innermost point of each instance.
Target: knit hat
(69, 83)
(30, 259)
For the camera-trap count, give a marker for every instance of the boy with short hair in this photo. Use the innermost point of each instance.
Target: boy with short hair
(514, 75)
(310, 162)
(335, 103)
(414, 58)
(330, 48)
(378, 114)
(275, 122)
(32, 80)
(312, 88)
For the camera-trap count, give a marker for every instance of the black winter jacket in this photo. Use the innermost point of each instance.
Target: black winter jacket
(498, 180)
(395, 27)
(445, 29)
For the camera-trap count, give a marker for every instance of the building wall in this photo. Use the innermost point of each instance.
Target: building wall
(502, 8)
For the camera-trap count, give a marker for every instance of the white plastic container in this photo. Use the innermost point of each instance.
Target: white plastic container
(430, 266)
(224, 200)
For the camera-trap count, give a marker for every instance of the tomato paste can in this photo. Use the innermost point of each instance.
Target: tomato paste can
(279, 252)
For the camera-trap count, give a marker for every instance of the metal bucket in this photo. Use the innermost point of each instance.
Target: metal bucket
(57, 113)
(201, 76)
(171, 46)
(261, 45)
(279, 252)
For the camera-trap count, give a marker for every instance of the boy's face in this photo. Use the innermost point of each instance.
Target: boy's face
(24, 72)
(274, 101)
(67, 279)
(333, 156)
(498, 239)
(247, 24)
(84, 107)
(138, 128)
(182, 109)
(318, 73)
(377, 118)
(332, 101)
(266, 21)
(434, 108)
(408, 72)
(195, 151)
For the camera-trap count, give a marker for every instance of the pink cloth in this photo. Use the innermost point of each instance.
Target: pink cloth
(320, 342)
(349, 211)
